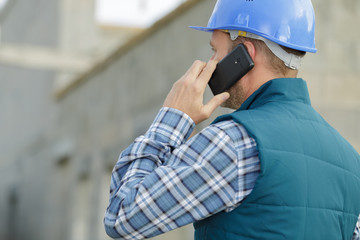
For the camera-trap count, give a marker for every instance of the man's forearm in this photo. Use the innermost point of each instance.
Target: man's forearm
(146, 153)
(158, 187)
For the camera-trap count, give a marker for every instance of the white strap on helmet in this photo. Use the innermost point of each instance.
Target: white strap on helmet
(290, 60)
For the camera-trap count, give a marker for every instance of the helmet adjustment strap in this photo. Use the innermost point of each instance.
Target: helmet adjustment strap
(290, 60)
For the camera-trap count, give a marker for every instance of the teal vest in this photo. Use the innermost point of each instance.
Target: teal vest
(309, 185)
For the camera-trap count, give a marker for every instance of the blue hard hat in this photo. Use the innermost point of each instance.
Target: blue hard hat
(290, 23)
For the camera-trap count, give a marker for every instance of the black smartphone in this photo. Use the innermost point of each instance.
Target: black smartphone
(231, 69)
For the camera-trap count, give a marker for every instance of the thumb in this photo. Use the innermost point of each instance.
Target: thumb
(216, 101)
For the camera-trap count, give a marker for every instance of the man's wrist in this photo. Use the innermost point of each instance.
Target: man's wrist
(172, 126)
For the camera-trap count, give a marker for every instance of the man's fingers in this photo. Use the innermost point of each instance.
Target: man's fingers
(195, 69)
(215, 102)
(187, 94)
(208, 71)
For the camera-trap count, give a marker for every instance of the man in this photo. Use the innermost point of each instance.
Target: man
(273, 169)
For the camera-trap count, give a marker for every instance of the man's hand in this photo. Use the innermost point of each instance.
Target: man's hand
(187, 94)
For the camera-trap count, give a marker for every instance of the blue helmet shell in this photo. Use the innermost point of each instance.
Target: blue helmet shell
(290, 23)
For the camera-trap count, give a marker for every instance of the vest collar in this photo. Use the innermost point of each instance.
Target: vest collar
(280, 89)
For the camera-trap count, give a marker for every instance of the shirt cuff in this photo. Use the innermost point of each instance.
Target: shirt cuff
(171, 126)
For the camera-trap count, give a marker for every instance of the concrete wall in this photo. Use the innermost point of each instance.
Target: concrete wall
(57, 155)
(32, 23)
(26, 112)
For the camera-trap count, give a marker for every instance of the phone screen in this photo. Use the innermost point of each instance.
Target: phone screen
(231, 69)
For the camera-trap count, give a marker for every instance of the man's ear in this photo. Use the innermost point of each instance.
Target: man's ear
(250, 48)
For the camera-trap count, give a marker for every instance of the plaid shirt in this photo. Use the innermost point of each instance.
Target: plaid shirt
(162, 182)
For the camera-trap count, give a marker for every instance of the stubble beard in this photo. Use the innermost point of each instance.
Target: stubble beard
(237, 97)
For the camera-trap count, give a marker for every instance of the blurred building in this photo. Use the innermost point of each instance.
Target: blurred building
(73, 94)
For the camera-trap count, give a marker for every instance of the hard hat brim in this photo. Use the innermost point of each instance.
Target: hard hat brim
(204, 29)
(300, 48)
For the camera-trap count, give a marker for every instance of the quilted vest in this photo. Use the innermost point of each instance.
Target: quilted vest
(309, 185)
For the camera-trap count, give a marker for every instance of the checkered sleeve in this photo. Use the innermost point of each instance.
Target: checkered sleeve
(356, 235)
(162, 182)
